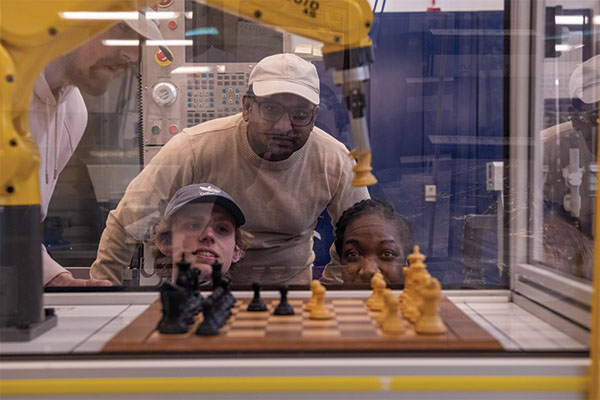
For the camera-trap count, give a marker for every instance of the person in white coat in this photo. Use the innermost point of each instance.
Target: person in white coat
(58, 115)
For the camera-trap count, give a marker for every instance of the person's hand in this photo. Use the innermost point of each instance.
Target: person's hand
(66, 279)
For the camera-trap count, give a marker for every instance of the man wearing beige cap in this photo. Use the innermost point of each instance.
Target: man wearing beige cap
(280, 169)
(58, 115)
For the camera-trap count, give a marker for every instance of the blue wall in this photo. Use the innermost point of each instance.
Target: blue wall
(436, 117)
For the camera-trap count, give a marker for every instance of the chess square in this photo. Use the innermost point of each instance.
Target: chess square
(316, 323)
(285, 319)
(253, 316)
(357, 327)
(283, 335)
(284, 328)
(250, 323)
(157, 336)
(354, 318)
(349, 310)
(245, 333)
(348, 302)
(283, 331)
(321, 333)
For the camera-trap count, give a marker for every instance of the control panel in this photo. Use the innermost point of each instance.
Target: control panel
(178, 89)
(171, 104)
(216, 94)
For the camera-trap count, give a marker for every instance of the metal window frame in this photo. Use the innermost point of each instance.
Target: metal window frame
(533, 286)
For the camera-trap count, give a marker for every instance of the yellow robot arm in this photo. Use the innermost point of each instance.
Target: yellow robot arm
(343, 26)
(32, 34)
(339, 24)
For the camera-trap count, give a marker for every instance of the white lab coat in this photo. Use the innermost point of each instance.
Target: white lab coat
(57, 125)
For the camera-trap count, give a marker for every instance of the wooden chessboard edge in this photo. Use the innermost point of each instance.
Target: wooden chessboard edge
(145, 324)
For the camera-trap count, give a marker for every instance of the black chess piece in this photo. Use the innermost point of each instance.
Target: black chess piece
(229, 297)
(257, 304)
(208, 326)
(196, 297)
(187, 280)
(283, 308)
(183, 273)
(216, 274)
(220, 310)
(173, 301)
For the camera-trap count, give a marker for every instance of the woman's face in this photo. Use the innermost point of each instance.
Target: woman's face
(371, 245)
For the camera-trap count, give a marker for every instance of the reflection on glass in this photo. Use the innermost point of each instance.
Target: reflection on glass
(571, 81)
(436, 117)
(58, 117)
(283, 175)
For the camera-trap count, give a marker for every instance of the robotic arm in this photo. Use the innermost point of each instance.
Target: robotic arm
(32, 33)
(343, 27)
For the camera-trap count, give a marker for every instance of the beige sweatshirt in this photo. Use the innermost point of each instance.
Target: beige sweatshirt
(281, 200)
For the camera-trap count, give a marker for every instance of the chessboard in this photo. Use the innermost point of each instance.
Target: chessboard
(353, 328)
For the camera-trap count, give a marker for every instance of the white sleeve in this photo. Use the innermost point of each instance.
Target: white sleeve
(50, 268)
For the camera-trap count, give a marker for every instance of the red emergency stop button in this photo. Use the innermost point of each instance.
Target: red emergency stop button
(165, 3)
(161, 58)
(172, 24)
(173, 129)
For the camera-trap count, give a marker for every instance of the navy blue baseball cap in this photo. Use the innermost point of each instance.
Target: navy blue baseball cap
(204, 193)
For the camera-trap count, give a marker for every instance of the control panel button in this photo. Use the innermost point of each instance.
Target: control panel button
(172, 24)
(155, 129)
(164, 93)
(173, 129)
(165, 3)
(161, 58)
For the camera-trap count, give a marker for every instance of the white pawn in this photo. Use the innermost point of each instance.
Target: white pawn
(392, 324)
(311, 303)
(319, 310)
(377, 299)
(430, 321)
(370, 299)
(383, 314)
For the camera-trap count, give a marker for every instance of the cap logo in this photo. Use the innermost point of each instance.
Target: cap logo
(210, 189)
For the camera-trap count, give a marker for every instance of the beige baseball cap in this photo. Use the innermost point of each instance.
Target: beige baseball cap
(285, 73)
(585, 81)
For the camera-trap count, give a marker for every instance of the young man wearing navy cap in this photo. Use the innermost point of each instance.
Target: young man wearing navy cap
(281, 169)
(201, 224)
(58, 115)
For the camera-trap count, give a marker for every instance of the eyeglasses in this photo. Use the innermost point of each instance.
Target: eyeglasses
(272, 111)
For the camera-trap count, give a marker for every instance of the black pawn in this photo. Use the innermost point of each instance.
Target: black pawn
(257, 304)
(208, 326)
(216, 274)
(284, 308)
(230, 298)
